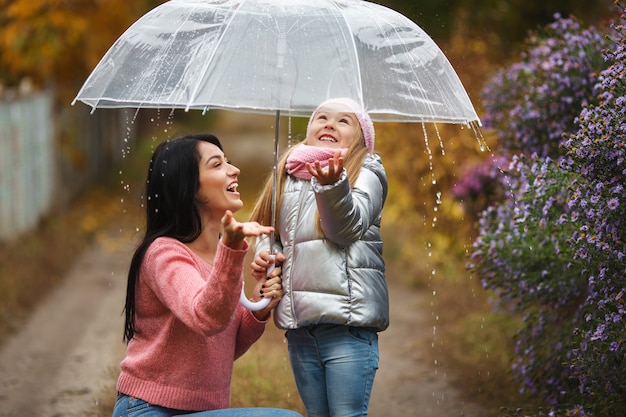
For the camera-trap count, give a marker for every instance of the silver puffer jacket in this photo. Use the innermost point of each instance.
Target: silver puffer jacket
(339, 278)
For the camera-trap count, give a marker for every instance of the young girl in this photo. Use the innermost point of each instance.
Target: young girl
(331, 190)
(184, 325)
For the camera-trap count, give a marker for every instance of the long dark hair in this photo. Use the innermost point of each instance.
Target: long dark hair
(171, 210)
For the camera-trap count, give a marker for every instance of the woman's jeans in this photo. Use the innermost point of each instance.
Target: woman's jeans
(334, 368)
(134, 407)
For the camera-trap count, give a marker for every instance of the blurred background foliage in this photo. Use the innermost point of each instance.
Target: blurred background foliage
(58, 42)
(428, 233)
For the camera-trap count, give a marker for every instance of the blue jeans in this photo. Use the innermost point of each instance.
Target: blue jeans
(126, 406)
(334, 368)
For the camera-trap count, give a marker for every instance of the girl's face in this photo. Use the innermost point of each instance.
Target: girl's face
(218, 181)
(332, 129)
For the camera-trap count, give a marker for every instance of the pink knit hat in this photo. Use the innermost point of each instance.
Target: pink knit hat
(346, 104)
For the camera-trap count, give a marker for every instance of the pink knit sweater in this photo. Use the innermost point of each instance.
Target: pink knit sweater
(190, 328)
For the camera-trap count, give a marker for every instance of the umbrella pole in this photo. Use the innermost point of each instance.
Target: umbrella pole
(274, 179)
(243, 300)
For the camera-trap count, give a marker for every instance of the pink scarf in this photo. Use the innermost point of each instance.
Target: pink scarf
(303, 154)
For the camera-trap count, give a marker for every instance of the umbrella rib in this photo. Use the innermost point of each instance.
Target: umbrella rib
(174, 37)
(358, 63)
(415, 77)
(226, 26)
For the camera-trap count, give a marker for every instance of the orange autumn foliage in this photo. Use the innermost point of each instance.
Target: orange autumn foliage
(60, 40)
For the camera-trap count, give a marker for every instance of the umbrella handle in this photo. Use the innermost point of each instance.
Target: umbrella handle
(252, 305)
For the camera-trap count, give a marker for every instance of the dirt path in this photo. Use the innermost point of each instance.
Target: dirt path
(55, 367)
(408, 383)
(57, 364)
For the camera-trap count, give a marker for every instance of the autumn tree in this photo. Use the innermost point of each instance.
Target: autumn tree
(60, 41)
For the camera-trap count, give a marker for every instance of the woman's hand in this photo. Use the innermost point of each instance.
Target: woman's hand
(262, 263)
(271, 288)
(234, 232)
(268, 285)
(328, 175)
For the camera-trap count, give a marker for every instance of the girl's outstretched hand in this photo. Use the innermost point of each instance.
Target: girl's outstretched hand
(234, 232)
(328, 175)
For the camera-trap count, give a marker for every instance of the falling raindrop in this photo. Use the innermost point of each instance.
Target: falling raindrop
(479, 136)
(443, 152)
(426, 138)
(289, 144)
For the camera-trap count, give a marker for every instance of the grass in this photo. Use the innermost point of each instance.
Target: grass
(263, 378)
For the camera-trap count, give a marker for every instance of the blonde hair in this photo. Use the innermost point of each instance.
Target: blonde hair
(262, 211)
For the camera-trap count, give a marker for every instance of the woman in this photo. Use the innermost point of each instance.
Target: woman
(184, 325)
(328, 228)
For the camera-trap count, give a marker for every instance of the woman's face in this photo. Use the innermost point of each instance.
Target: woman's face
(332, 129)
(218, 180)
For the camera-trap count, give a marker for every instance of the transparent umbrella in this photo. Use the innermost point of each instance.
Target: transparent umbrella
(279, 55)
(273, 56)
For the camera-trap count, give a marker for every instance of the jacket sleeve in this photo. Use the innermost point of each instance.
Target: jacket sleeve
(263, 243)
(347, 214)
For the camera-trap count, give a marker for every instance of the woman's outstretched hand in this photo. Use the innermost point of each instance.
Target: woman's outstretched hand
(234, 232)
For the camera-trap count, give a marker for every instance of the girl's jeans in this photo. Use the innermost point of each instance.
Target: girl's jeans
(134, 407)
(334, 368)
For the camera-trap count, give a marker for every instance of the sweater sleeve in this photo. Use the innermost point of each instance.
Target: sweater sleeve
(250, 330)
(204, 298)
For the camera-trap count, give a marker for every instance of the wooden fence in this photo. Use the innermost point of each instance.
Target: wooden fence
(49, 153)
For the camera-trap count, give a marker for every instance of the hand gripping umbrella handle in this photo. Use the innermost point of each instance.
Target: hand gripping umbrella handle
(252, 305)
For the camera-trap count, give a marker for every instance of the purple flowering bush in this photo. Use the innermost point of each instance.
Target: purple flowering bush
(554, 248)
(478, 186)
(534, 101)
(597, 153)
(522, 254)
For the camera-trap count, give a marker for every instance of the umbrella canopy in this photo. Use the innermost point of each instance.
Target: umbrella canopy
(272, 56)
